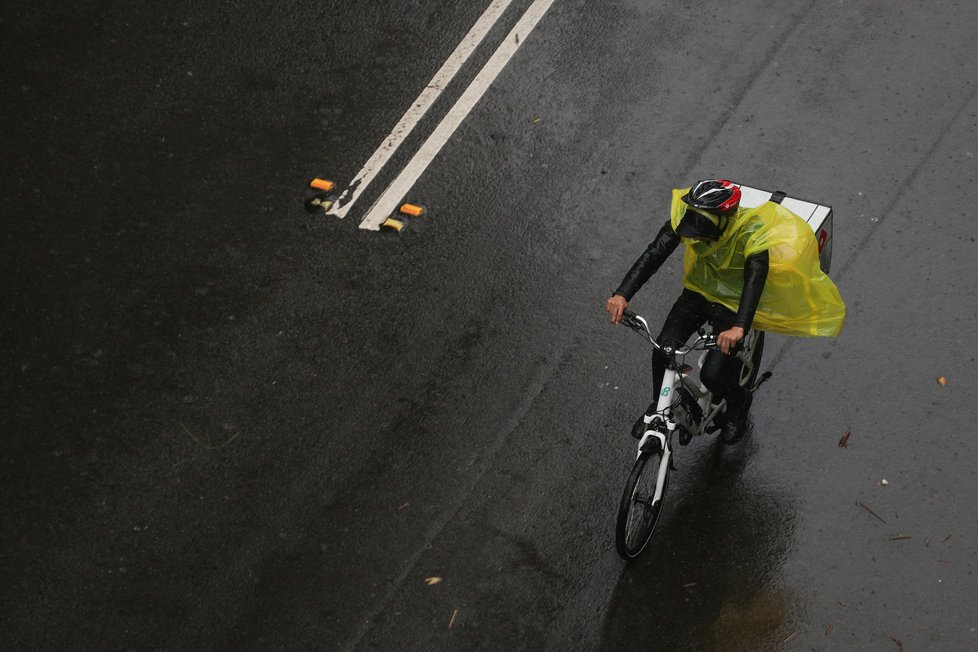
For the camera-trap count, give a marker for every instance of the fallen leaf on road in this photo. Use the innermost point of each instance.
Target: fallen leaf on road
(431, 581)
(942, 381)
(845, 440)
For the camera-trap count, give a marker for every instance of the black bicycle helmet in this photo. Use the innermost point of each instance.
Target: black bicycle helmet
(712, 198)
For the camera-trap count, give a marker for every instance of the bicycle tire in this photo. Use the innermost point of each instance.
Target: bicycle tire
(632, 535)
(756, 353)
(748, 380)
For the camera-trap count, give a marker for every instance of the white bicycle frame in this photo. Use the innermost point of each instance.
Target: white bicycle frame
(666, 408)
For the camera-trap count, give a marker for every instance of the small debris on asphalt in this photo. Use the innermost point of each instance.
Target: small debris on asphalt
(403, 506)
(947, 538)
(206, 445)
(898, 642)
(452, 621)
(828, 630)
(845, 440)
(942, 381)
(884, 482)
(901, 537)
(792, 636)
(870, 511)
(431, 581)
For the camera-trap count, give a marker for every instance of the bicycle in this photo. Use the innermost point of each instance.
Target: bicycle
(685, 407)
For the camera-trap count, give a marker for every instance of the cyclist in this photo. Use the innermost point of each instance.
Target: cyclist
(730, 253)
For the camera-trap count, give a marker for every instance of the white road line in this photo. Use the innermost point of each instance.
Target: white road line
(384, 206)
(419, 107)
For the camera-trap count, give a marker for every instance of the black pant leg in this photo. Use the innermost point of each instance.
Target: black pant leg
(720, 371)
(689, 312)
(720, 374)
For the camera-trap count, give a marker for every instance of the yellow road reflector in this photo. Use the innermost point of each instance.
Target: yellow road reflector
(412, 209)
(321, 184)
(319, 203)
(392, 223)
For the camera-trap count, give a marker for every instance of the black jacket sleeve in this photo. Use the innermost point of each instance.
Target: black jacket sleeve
(755, 274)
(649, 262)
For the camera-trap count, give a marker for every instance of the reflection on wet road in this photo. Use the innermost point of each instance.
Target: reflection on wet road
(711, 577)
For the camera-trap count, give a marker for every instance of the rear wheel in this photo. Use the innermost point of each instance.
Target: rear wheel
(749, 372)
(638, 511)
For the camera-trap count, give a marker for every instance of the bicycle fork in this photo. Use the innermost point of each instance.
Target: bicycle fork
(653, 438)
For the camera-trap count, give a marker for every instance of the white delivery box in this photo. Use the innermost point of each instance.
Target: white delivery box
(818, 216)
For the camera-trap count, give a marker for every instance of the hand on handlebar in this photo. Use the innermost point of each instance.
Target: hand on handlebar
(616, 306)
(728, 339)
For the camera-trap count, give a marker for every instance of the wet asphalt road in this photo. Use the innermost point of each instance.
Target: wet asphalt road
(230, 424)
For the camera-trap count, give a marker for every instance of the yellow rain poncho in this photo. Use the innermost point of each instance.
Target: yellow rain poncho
(798, 298)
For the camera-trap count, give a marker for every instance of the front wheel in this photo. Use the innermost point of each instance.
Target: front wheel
(639, 510)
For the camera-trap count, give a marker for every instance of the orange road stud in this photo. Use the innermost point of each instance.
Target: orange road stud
(322, 184)
(414, 210)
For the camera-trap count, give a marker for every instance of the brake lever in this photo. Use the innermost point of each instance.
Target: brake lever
(709, 341)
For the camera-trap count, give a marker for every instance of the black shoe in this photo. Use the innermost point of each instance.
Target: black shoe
(733, 431)
(639, 427)
(736, 423)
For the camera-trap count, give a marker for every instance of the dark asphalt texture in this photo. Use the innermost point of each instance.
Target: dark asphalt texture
(230, 424)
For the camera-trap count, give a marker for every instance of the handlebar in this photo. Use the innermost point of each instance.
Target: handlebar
(638, 324)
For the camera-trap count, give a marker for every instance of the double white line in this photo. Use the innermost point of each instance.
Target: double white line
(389, 200)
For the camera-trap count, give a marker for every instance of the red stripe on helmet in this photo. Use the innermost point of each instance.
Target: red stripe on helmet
(734, 198)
